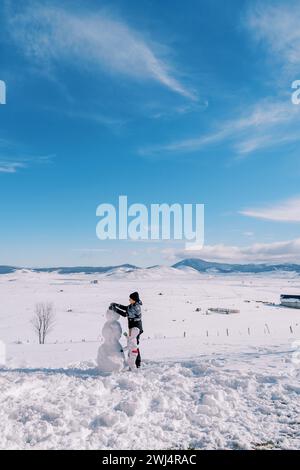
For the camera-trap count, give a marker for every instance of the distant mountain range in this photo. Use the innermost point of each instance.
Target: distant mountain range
(196, 264)
(7, 269)
(70, 270)
(206, 266)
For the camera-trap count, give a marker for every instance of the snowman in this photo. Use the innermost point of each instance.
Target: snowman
(110, 354)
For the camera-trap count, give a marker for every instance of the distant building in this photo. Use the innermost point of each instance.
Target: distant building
(224, 311)
(290, 300)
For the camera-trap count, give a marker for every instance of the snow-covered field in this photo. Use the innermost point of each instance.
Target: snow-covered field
(207, 381)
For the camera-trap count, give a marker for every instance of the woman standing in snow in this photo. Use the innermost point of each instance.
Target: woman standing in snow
(134, 314)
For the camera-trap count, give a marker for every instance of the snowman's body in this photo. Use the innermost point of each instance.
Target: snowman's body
(110, 355)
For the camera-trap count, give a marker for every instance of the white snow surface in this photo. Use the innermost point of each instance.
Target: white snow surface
(207, 381)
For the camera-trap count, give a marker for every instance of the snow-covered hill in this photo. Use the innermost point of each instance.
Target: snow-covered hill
(154, 273)
(208, 381)
(186, 264)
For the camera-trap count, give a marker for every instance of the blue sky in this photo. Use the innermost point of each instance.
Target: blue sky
(169, 101)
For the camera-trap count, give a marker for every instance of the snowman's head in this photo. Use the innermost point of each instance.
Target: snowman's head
(112, 316)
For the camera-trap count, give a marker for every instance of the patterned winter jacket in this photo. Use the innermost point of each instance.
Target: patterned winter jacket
(133, 312)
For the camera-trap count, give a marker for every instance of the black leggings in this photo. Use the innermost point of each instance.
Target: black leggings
(138, 359)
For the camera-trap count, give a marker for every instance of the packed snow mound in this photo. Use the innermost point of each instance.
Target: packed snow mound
(110, 354)
(231, 401)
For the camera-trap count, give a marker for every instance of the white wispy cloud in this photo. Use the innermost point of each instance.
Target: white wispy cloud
(14, 157)
(265, 124)
(285, 211)
(91, 250)
(55, 35)
(91, 253)
(276, 252)
(276, 26)
(269, 123)
(10, 167)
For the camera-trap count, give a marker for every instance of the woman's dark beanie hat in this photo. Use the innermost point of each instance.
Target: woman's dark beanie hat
(135, 296)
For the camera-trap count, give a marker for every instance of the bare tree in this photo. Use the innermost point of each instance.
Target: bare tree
(43, 320)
